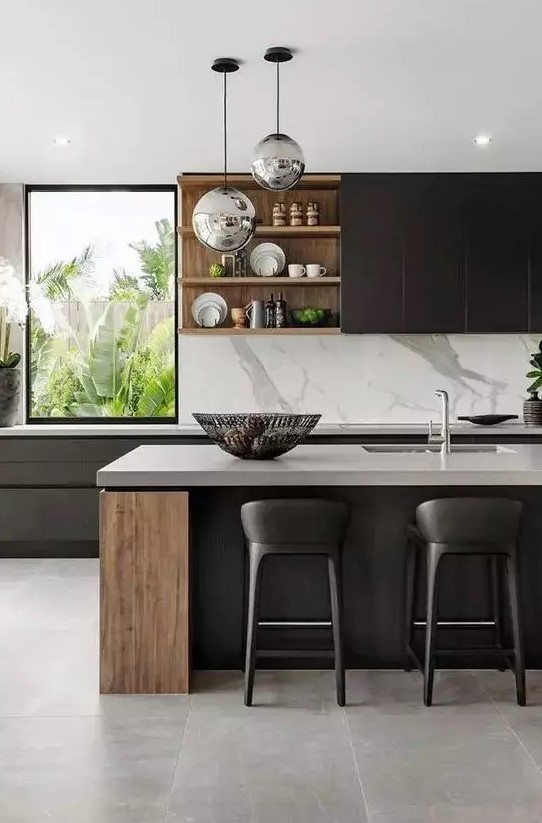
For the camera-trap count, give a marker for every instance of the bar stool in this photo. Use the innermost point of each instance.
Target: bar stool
(465, 526)
(293, 527)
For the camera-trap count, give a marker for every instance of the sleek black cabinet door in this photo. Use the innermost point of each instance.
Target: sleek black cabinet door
(535, 262)
(498, 236)
(434, 249)
(372, 254)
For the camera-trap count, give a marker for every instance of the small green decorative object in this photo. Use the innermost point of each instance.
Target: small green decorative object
(217, 270)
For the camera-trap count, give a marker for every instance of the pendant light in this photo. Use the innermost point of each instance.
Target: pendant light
(224, 219)
(278, 162)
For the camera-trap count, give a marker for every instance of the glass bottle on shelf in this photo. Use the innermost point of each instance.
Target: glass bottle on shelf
(270, 312)
(280, 312)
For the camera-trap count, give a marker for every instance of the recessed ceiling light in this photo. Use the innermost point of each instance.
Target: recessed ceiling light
(62, 141)
(482, 140)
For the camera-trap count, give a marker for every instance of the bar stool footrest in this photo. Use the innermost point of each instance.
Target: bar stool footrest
(307, 653)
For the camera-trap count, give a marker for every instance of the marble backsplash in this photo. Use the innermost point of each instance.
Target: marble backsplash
(355, 378)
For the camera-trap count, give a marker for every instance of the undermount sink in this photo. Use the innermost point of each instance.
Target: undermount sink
(434, 448)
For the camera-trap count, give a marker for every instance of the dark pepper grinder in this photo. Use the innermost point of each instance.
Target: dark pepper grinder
(280, 312)
(270, 313)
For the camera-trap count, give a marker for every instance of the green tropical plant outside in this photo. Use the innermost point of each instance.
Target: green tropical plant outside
(108, 366)
(158, 261)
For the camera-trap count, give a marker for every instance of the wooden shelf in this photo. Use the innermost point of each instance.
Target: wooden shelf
(289, 330)
(246, 181)
(220, 282)
(281, 231)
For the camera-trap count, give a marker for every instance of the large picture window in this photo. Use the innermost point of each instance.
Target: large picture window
(101, 273)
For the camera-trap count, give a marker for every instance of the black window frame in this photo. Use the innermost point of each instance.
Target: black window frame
(105, 421)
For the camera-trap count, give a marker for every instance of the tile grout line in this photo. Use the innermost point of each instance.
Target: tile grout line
(175, 770)
(354, 758)
(509, 727)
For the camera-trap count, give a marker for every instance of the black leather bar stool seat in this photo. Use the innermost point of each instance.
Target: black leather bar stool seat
(466, 526)
(311, 527)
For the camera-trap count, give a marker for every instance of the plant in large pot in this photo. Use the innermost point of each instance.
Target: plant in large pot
(532, 408)
(13, 311)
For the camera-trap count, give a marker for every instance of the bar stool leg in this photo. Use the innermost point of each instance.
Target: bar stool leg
(434, 555)
(254, 587)
(336, 625)
(495, 578)
(513, 594)
(410, 599)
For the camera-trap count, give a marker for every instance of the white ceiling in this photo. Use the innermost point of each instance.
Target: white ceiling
(375, 85)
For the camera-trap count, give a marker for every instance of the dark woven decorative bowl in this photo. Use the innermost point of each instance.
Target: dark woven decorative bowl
(257, 436)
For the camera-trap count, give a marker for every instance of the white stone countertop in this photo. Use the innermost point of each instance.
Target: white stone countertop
(186, 466)
(327, 428)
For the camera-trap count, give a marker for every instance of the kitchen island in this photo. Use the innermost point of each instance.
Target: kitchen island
(172, 554)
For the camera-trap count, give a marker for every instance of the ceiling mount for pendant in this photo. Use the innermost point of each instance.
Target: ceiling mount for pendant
(225, 65)
(278, 161)
(224, 219)
(278, 54)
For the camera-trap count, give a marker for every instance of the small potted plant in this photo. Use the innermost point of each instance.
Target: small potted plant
(13, 309)
(532, 408)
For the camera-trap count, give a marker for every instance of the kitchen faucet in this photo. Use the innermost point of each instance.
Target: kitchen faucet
(444, 437)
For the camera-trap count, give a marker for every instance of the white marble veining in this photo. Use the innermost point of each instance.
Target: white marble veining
(355, 378)
(188, 466)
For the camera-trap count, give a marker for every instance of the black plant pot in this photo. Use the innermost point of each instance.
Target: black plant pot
(532, 413)
(10, 392)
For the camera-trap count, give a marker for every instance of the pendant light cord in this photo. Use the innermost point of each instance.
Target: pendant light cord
(278, 95)
(225, 134)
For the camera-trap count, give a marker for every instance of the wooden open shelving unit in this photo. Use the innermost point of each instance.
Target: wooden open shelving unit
(301, 244)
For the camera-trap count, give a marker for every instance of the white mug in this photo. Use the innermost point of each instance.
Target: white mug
(296, 270)
(315, 270)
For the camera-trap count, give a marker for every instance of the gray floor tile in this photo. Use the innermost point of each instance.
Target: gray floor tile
(67, 567)
(287, 759)
(108, 769)
(67, 754)
(525, 721)
(453, 757)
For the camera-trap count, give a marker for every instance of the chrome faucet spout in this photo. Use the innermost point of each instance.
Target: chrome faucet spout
(445, 429)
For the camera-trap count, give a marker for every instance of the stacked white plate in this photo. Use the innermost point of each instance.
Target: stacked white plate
(209, 310)
(267, 260)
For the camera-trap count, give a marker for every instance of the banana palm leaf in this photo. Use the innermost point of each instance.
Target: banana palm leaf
(158, 399)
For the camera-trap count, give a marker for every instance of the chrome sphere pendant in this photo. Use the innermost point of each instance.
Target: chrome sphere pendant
(224, 219)
(278, 162)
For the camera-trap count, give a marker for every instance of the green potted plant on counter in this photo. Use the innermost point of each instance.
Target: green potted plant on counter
(532, 408)
(13, 310)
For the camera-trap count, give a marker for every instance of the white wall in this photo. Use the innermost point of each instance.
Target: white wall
(12, 242)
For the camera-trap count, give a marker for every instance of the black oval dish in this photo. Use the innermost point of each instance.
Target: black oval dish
(489, 419)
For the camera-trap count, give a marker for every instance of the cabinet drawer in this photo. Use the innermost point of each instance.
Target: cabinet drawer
(52, 473)
(37, 450)
(48, 514)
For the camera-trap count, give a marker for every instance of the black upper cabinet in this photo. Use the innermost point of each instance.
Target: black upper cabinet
(498, 237)
(372, 254)
(424, 253)
(434, 251)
